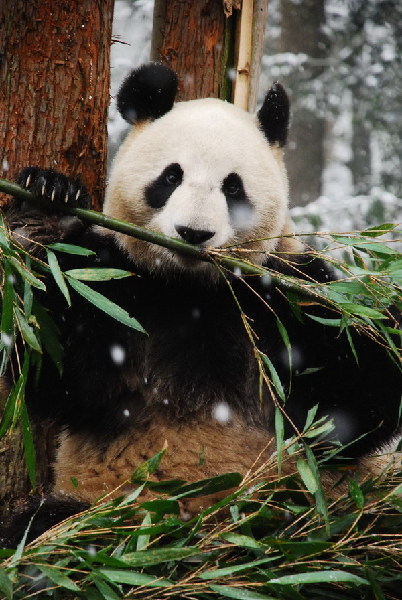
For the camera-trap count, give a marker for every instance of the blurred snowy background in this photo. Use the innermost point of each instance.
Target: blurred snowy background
(341, 62)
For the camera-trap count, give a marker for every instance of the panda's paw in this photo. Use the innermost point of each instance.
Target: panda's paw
(54, 187)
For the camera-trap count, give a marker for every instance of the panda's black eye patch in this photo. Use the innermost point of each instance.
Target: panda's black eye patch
(159, 191)
(232, 187)
(240, 208)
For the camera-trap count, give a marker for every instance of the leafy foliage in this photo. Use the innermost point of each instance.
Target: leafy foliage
(259, 542)
(282, 539)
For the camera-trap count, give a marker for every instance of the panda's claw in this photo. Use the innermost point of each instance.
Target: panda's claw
(28, 180)
(52, 196)
(43, 189)
(78, 194)
(66, 198)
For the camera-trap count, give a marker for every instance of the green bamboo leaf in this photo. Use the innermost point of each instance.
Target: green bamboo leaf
(319, 494)
(71, 249)
(162, 507)
(148, 467)
(4, 239)
(146, 558)
(143, 540)
(226, 571)
(20, 548)
(324, 321)
(27, 332)
(274, 377)
(310, 371)
(11, 409)
(27, 275)
(211, 485)
(351, 344)
(244, 541)
(310, 417)
(356, 493)
(98, 274)
(280, 436)
(133, 578)
(58, 275)
(315, 431)
(7, 321)
(58, 577)
(378, 230)
(106, 305)
(307, 476)
(285, 338)
(104, 588)
(48, 334)
(362, 311)
(6, 585)
(239, 593)
(320, 577)
(28, 294)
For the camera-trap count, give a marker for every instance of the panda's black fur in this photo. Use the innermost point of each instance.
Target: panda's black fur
(120, 384)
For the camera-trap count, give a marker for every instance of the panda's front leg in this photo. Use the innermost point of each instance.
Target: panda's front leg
(35, 224)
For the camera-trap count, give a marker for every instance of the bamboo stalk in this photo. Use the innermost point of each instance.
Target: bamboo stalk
(260, 14)
(243, 74)
(97, 218)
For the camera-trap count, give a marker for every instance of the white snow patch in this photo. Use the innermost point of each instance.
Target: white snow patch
(118, 354)
(221, 412)
(6, 339)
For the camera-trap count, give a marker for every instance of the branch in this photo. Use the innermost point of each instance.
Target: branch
(97, 218)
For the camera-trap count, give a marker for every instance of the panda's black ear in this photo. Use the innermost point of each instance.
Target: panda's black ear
(147, 93)
(274, 115)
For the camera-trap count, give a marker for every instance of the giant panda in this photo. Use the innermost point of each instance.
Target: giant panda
(212, 175)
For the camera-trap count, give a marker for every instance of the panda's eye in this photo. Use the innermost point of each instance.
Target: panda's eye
(232, 186)
(173, 176)
(233, 189)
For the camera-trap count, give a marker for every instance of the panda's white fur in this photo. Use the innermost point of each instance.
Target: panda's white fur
(209, 139)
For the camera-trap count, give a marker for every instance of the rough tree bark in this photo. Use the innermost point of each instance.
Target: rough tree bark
(54, 95)
(54, 81)
(196, 39)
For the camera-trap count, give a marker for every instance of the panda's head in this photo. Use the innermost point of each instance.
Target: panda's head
(203, 171)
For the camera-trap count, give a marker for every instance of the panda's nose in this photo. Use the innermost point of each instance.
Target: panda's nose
(193, 236)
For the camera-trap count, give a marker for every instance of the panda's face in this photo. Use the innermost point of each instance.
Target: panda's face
(203, 173)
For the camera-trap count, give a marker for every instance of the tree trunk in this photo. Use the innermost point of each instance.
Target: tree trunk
(200, 41)
(54, 78)
(54, 75)
(196, 40)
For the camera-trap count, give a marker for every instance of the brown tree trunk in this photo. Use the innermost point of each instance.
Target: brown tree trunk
(54, 83)
(197, 40)
(54, 95)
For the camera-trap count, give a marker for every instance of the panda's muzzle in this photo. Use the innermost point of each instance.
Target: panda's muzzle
(194, 236)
